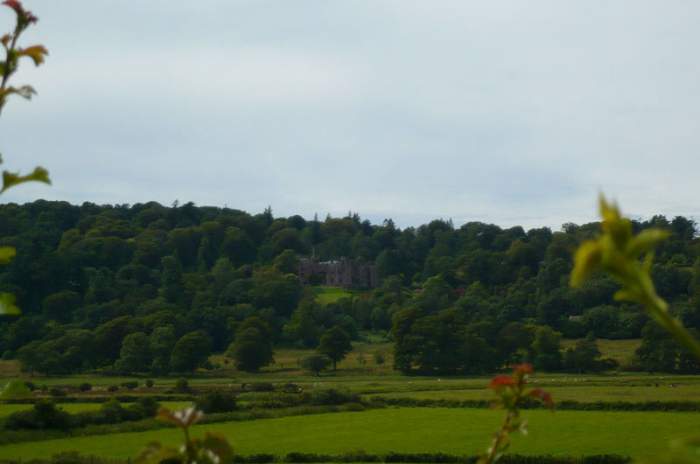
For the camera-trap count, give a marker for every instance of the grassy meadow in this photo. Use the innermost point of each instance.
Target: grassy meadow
(398, 429)
(455, 431)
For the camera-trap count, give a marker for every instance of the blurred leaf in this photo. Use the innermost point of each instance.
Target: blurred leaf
(155, 453)
(26, 91)
(10, 179)
(586, 261)
(7, 305)
(645, 242)
(218, 445)
(35, 52)
(183, 418)
(7, 254)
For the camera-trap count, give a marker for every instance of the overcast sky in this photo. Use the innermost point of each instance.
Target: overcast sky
(512, 112)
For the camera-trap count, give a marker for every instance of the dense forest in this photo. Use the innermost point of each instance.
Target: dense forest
(155, 289)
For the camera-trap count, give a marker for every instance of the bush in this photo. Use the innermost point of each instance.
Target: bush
(146, 407)
(258, 387)
(379, 358)
(291, 388)
(44, 415)
(217, 402)
(56, 392)
(332, 396)
(182, 385)
(131, 384)
(85, 387)
(149, 383)
(112, 388)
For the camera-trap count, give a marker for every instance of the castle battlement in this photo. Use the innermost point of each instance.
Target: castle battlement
(346, 273)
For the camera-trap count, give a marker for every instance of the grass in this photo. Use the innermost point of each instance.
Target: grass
(459, 431)
(619, 350)
(581, 393)
(327, 295)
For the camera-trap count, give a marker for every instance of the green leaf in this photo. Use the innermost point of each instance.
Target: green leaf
(10, 179)
(7, 254)
(7, 305)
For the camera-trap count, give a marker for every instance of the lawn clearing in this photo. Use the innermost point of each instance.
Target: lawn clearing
(455, 431)
(328, 295)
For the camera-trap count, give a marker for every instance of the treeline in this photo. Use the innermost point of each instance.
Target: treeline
(149, 288)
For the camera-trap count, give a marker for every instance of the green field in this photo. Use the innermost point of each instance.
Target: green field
(457, 431)
(327, 295)
(448, 430)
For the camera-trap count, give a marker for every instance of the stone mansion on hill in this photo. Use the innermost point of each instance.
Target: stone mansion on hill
(346, 273)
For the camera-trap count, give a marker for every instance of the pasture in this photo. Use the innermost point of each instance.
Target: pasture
(404, 429)
(455, 431)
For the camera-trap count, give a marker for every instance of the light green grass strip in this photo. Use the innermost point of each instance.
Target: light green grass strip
(456, 431)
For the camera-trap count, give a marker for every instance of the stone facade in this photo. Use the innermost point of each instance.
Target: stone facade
(344, 273)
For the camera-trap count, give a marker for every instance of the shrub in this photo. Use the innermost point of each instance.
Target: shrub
(131, 384)
(379, 358)
(182, 385)
(217, 402)
(44, 415)
(332, 396)
(112, 388)
(258, 387)
(146, 407)
(315, 363)
(57, 392)
(149, 383)
(84, 387)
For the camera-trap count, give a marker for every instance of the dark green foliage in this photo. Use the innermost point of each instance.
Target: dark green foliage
(182, 385)
(85, 387)
(331, 396)
(216, 402)
(190, 352)
(659, 352)
(135, 355)
(316, 363)
(547, 349)
(447, 291)
(335, 343)
(585, 357)
(252, 348)
(44, 415)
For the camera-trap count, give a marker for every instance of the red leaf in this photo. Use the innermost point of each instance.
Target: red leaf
(501, 381)
(15, 5)
(524, 368)
(543, 396)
